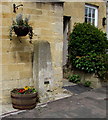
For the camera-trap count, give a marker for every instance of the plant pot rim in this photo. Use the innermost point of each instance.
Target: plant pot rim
(27, 94)
(24, 94)
(21, 26)
(32, 95)
(21, 30)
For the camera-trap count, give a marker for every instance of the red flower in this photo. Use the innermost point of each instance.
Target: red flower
(21, 91)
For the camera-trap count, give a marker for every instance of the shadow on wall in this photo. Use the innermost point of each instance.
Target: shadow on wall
(22, 50)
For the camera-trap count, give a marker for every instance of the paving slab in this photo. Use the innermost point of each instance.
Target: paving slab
(77, 89)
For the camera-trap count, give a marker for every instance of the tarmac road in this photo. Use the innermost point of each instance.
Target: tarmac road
(89, 104)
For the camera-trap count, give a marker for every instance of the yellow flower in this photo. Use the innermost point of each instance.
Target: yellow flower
(26, 87)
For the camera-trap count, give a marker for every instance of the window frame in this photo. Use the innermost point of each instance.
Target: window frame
(96, 13)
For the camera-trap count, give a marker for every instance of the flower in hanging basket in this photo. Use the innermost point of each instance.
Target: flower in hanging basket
(21, 27)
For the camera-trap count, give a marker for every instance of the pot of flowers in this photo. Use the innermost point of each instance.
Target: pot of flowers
(24, 98)
(21, 27)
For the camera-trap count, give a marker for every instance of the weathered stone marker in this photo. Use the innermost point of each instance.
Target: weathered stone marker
(42, 68)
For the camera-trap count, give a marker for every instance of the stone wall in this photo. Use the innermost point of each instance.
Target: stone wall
(76, 10)
(96, 82)
(47, 22)
(0, 56)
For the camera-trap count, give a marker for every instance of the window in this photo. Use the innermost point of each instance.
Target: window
(91, 15)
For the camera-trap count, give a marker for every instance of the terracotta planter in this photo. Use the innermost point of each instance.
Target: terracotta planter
(24, 101)
(21, 31)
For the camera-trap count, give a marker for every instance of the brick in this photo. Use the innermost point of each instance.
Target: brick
(25, 74)
(12, 57)
(39, 5)
(27, 67)
(59, 46)
(6, 100)
(23, 57)
(46, 6)
(5, 58)
(6, 15)
(11, 84)
(10, 75)
(6, 8)
(29, 5)
(5, 30)
(42, 24)
(5, 36)
(1, 86)
(46, 37)
(38, 12)
(15, 67)
(29, 10)
(0, 55)
(6, 43)
(24, 82)
(16, 48)
(58, 71)
(57, 39)
(4, 69)
(46, 32)
(6, 93)
(32, 11)
(57, 78)
(6, 22)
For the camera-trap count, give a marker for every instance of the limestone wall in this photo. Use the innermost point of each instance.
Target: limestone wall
(47, 22)
(77, 12)
(95, 81)
(0, 58)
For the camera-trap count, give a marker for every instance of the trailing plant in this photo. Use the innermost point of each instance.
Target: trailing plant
(74, 78)
(21, 27)
(87, 83)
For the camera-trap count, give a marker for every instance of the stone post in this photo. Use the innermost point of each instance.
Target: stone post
(42, 69)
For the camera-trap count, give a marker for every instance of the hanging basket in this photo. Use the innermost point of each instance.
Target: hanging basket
(24, 101)
(21, 30)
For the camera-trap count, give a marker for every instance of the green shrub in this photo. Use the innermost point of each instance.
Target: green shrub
(87, 83)
(87, 49)
(92, 63)
(74, 78)
(86, 38)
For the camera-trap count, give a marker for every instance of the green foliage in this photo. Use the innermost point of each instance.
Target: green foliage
(92, 63)
(74, 78)
(87, 49)
(87, 83)
(86, 38)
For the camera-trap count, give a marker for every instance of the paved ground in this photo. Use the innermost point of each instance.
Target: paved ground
(77, 89)
(88, 104)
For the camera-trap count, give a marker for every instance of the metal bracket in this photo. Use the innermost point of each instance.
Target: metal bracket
(16, 7)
